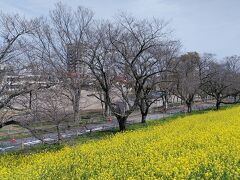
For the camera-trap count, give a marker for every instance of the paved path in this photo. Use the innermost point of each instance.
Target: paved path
(31, 141)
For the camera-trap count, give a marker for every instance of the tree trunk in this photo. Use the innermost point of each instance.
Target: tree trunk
(189, 106)
(30, 100)
(144, 116)
(76, 104)
(122, 123)
(235, 99)
(58, 135)
(165, 103)
(181, 102)
(106, 110)
(218, 104)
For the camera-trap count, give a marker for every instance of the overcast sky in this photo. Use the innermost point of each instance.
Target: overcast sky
(211, 26)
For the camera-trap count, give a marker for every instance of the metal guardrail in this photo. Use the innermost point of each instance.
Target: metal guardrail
(29, 143)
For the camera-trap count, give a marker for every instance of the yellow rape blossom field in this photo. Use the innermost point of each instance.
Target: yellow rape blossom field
(201, 146)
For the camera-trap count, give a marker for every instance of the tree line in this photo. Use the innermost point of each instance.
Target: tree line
(129, 64)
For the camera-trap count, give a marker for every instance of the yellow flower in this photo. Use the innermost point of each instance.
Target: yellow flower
(193, 147)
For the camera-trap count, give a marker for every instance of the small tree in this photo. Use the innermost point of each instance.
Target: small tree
(186, 79)
(156, 83)
(216, 81)
(50, 107)
(60, 45)
(233, 67)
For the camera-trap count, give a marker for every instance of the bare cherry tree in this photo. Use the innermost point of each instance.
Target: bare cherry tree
(60, 45)
(13, 48)
(186, 79)
(217, 82)
(100, 60)
(232, 64)
(117, 59)
(155, 87)
(50, 108)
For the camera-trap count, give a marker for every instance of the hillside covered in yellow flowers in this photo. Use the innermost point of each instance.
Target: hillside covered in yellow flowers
(197, 146)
